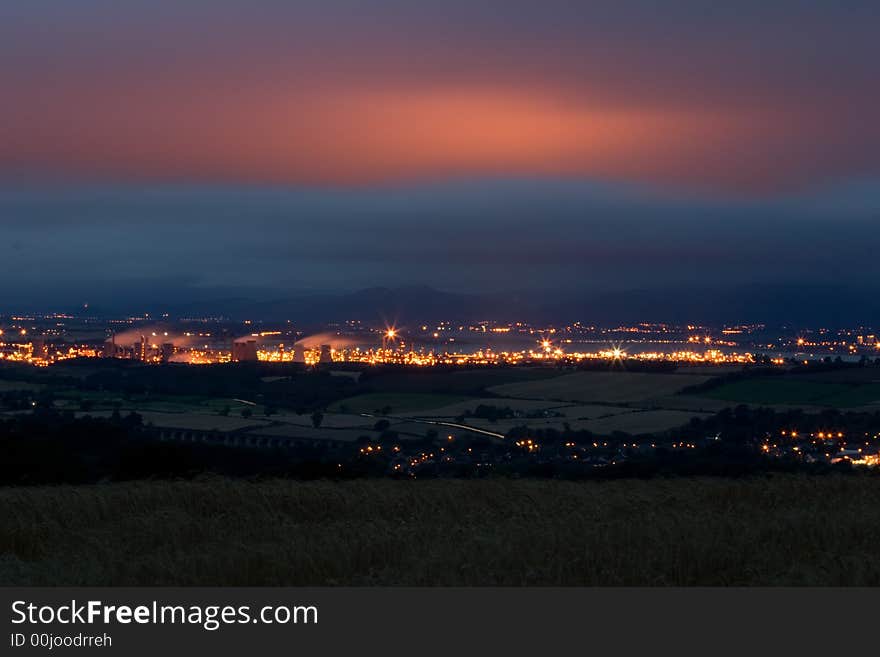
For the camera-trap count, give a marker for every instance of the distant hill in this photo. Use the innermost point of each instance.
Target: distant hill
(776, 305)
(375, 303)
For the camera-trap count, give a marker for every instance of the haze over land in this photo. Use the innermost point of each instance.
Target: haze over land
(534, 249)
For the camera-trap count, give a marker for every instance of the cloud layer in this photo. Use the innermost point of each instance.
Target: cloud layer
(748, 97)
(81, 242)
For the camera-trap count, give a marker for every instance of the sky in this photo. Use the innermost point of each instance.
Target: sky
(331, 144)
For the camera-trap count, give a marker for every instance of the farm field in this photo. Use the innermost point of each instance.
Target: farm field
(467, 383)
(694, 403)
(598, 401)
(397, 402)
(329, 420)
(415, 430)
(784, 530)
(852, 375)
(9, 386)
(591, 411)
(581, 400)
(151, 403)
(310, 433)
(640, 421)
(797, 392)
(616, 387)
(632, 420)
(469, 404)
(194, 421)
(503, 426)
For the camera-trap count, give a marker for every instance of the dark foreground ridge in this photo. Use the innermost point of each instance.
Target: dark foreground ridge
(767, 530)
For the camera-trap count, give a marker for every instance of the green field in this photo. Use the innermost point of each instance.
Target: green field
(168, 404)
(640, 421)
(398, 402)
(454, 382)
(8, 386)
(194, 421)
(797, 391)
(614, 387)
(780, 530)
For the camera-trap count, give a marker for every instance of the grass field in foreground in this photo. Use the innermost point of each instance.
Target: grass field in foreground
(780, 530)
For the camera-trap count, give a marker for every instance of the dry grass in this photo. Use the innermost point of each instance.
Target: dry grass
(789, 530)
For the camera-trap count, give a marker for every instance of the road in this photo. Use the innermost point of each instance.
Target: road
(453, 425)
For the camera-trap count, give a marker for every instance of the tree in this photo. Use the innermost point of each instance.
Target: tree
(388, 437)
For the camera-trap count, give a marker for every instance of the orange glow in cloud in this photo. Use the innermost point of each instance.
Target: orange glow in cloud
(353, 136)
(330, 92)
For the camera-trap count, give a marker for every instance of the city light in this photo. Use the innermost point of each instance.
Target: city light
(437, 344)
